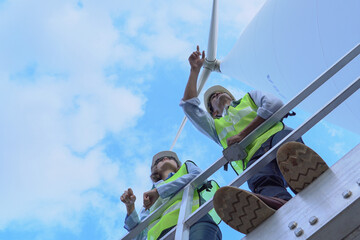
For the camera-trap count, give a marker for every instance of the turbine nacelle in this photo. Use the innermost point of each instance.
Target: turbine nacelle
(213, 66)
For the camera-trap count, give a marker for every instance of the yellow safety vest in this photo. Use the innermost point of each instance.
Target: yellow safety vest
(235, 121)
(170, 216)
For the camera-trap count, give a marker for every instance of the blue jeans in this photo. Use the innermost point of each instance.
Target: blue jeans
(205, 228)
(269, 180)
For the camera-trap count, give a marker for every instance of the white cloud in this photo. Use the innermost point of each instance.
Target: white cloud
(52, 165)
(52, 30)
(40, 177)
(333, 130)
(67, 106)
(338, 148)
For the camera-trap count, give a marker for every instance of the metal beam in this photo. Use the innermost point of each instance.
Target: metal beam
(182, 230)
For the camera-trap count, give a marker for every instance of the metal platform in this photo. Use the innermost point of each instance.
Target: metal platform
(328, 209)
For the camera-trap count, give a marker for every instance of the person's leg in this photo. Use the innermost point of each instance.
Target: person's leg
(269, 181)
(243, 210)
(206, 229)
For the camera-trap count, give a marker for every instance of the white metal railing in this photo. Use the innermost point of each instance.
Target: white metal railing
(186, 220)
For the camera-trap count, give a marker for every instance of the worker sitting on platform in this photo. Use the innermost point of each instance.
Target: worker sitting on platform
(169, 176)
(228, 121)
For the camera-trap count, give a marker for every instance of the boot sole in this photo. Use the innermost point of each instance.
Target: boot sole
(240, 209)
(299, 164)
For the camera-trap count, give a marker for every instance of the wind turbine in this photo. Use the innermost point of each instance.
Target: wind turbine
(210, 64)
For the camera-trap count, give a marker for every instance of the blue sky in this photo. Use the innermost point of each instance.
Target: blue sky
(89, 92)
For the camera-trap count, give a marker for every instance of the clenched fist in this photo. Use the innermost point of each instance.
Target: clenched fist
(129, 199)
(150, 198)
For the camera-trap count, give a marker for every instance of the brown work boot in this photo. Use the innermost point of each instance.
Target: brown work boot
(299, 164)
(243, 210)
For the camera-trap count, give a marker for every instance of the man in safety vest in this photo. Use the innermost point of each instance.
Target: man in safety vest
(169, 176)
(228, 121)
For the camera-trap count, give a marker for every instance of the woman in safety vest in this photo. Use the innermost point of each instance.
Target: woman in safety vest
(168, 176)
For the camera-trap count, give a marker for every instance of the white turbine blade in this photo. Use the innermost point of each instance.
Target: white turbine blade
(212, 43)
(179, 132)
(203, 78)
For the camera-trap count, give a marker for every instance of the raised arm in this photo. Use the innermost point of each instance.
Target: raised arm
(201, 119)
(196, 63)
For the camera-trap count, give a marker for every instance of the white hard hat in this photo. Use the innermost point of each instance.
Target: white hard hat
(210, 91)
(165, 154)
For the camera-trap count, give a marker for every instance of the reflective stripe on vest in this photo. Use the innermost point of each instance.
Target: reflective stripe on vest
(170, 216)
(235, 121)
